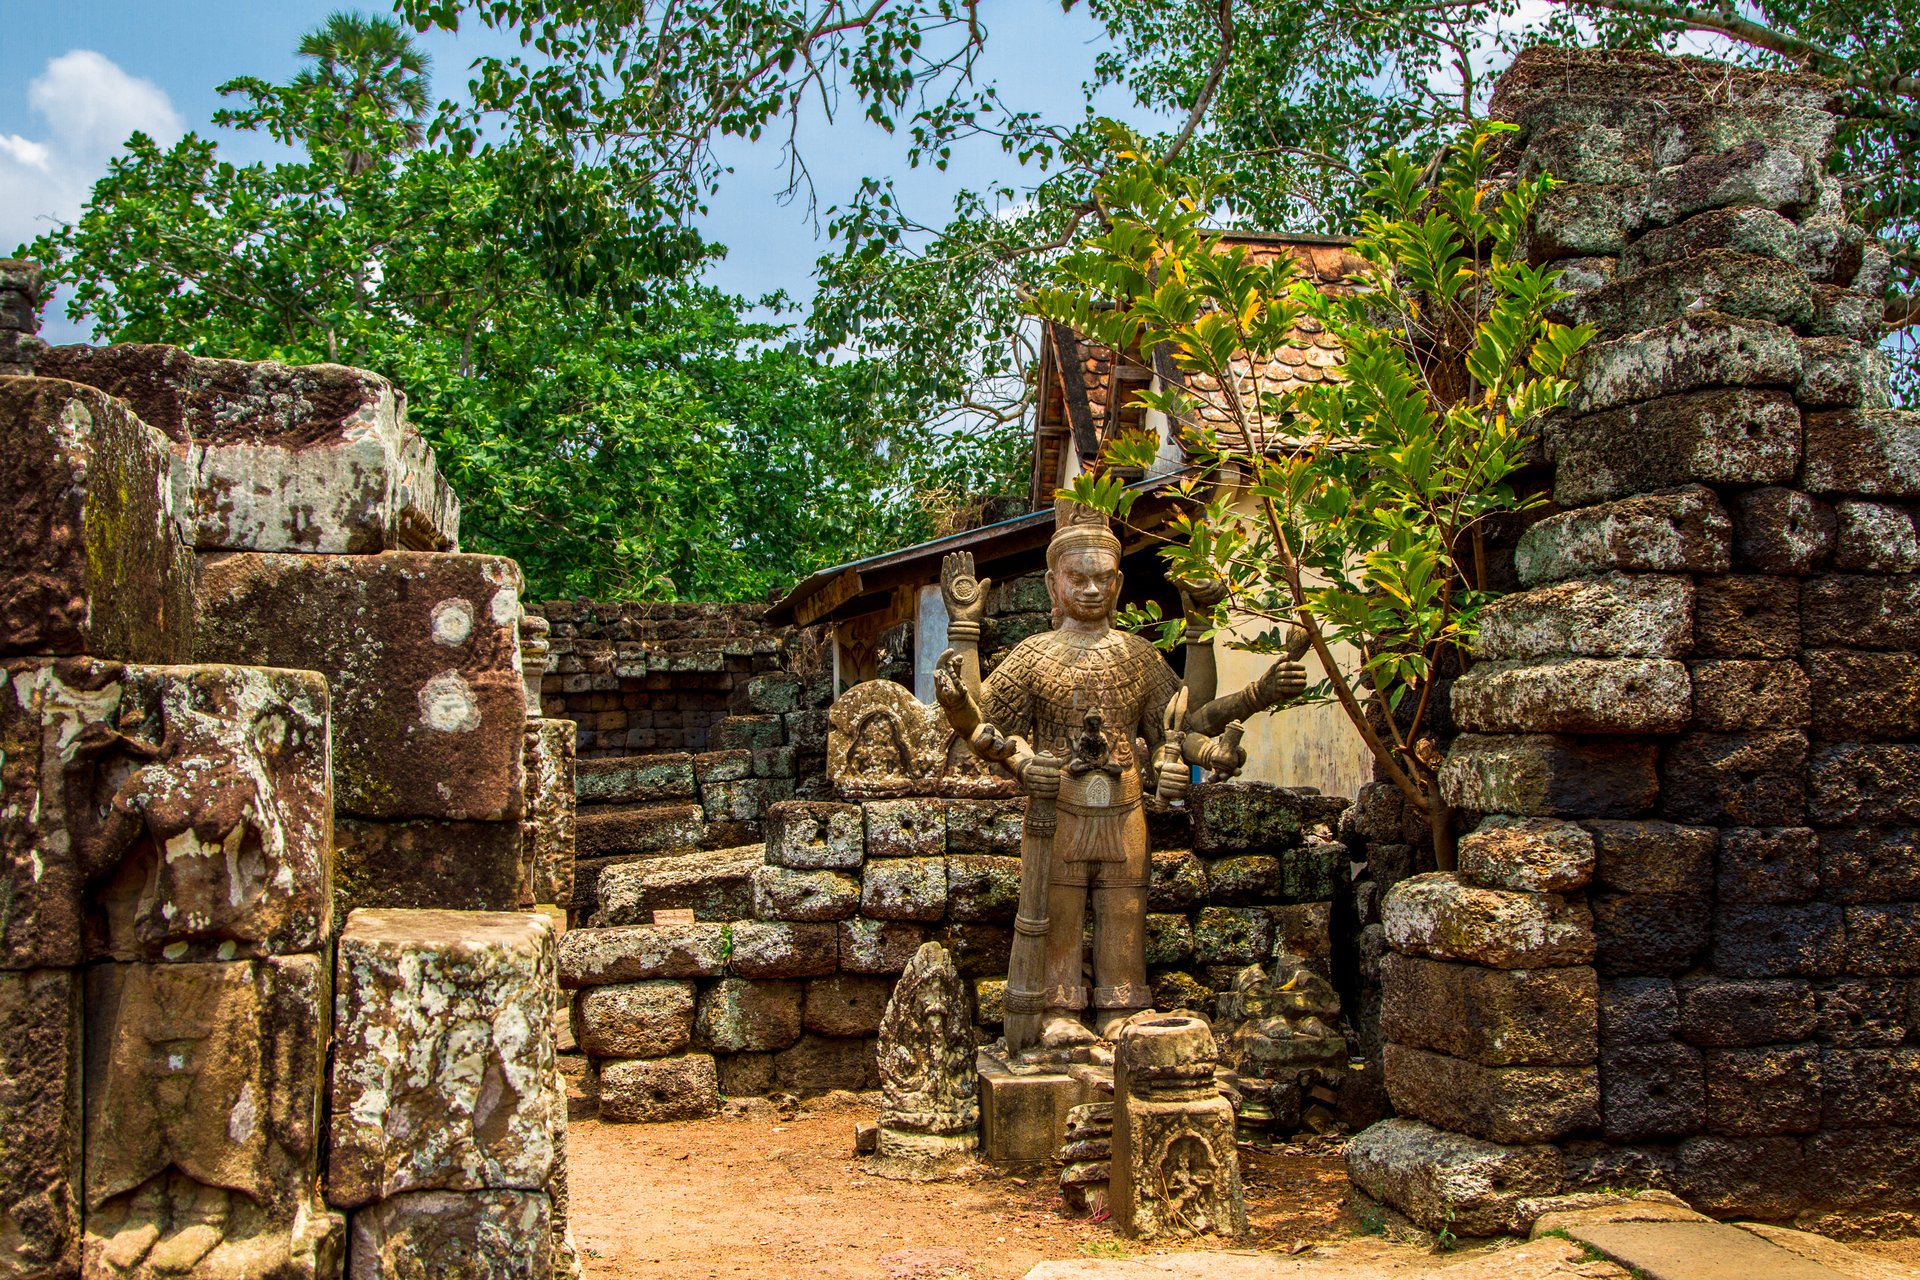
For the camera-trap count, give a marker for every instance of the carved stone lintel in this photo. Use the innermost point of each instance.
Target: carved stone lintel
(883, 741)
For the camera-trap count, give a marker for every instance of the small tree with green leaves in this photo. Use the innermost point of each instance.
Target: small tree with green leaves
(1350, 513)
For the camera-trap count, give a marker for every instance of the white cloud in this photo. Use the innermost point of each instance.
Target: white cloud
(88, 106)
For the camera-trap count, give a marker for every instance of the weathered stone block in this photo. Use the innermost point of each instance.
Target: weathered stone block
(1574, 695)
(652, 1090)
(1495, 1017)
(1442, 1179)
(981, 887)
(1862, 1168)
(1732, 1177)
(1774, 864)
(737, 1016)
(421, 653)
(819, 1063)
(747, 732)
(1546, 775)
(815, 835)
(40, 1122)
(1746, 617)
(1779, 530)
(914, 828)
(902, 888)
(1864, 1013)
(1755, 1092)
(658, 828)
(634, 953)
(1537, 855)
(1683, 530)
(1232, 935)
(635, 779)
(985, 826)
(1875, 783)
(1580, 219)
(1753, 174)
(1760, 232)
(1861, 1088)
(1251, 817)
(1883, 940)
(1852, 314)
(1864, 612)
(1776, 940)
(770, 949)
(714, 885)
(1610, 616)
(1738, 779)
(978, 950)
(452, 866)
(1721, 1014)
(1841, 373)
(1872, 865)
(443, 1057)
(1638, 1010)
(1732, 694)
(635, 1019)
(1875, 452)
(1169, 939)
(1179, 882)
(743, 800)
(316, 458)
(846, 1005)
(1649, 933)
(1651, 1091)
(1719, 437)
(783, 894)
(880, 946)
(203, 1089)
(1436, 915)
(774, 694)
(1696, 351)
(1652, 857)
(90, 560)
(1246, 880)
(1876, 537)
(1498, 1104)
(1316, 872)
(547, 832)
(476, 1235)
(1864, 695)
(744, 1075)
(1723, 280)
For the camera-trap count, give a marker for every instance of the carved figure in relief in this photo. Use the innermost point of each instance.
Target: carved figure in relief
(1088, 719)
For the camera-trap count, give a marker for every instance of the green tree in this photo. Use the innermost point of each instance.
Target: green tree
(616, 426)
(1352, 511)
(370, 65)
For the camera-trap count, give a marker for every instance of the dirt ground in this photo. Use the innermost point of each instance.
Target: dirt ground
(770, 1197)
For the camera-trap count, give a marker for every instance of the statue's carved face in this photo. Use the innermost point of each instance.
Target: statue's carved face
(1085, 585)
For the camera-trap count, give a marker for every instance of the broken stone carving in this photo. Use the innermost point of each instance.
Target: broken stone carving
(1279, 1036)
(1176, 1170)
(1078, 714)
(1086, 1159)
(883, 741)
(202, 1102)
(929, 1119)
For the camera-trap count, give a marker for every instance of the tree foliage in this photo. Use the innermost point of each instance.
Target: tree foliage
(1351, 510)
(621, 429)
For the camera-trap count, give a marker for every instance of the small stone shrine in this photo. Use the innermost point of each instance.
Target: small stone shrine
(1279, 1034)
(930, 1120)
(1176, 1170)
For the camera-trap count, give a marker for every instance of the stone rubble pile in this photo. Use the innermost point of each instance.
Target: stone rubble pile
(1682, 944)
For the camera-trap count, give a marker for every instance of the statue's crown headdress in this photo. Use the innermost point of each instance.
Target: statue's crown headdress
(1078, 527)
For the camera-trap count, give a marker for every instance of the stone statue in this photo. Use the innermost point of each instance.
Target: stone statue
(1176, 1170)
(929, 1116)
(1078, 715)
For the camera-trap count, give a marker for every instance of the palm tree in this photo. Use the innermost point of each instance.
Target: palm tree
(374, 59)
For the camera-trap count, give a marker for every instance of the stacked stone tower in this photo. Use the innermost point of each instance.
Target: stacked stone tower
(1681, 947)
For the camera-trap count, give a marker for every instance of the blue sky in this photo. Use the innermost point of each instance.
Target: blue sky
(76, 76)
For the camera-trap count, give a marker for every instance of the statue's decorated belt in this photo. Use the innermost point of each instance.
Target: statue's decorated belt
(1099, 794)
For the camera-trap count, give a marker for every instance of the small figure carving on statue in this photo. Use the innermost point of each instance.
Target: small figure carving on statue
(1079, 715)
(1187, 1179)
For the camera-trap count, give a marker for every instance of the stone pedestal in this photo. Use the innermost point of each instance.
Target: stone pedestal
(1176, 1171)
(1023, 1116)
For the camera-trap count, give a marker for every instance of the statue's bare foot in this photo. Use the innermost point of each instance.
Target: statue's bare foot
(181, 1252)
(1109, 1021)
(1060, 1029)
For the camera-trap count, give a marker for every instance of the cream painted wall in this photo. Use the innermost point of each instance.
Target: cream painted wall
(1311, 746)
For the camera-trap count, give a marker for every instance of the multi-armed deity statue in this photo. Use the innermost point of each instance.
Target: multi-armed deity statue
(1094, 724)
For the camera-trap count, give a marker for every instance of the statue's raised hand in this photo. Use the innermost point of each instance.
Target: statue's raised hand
(1199, 596)
(964, 595)
(949, 682)
(1283, 682)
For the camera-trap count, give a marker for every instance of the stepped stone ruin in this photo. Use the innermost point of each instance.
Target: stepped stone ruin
(233, 716)
(1680, 947)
